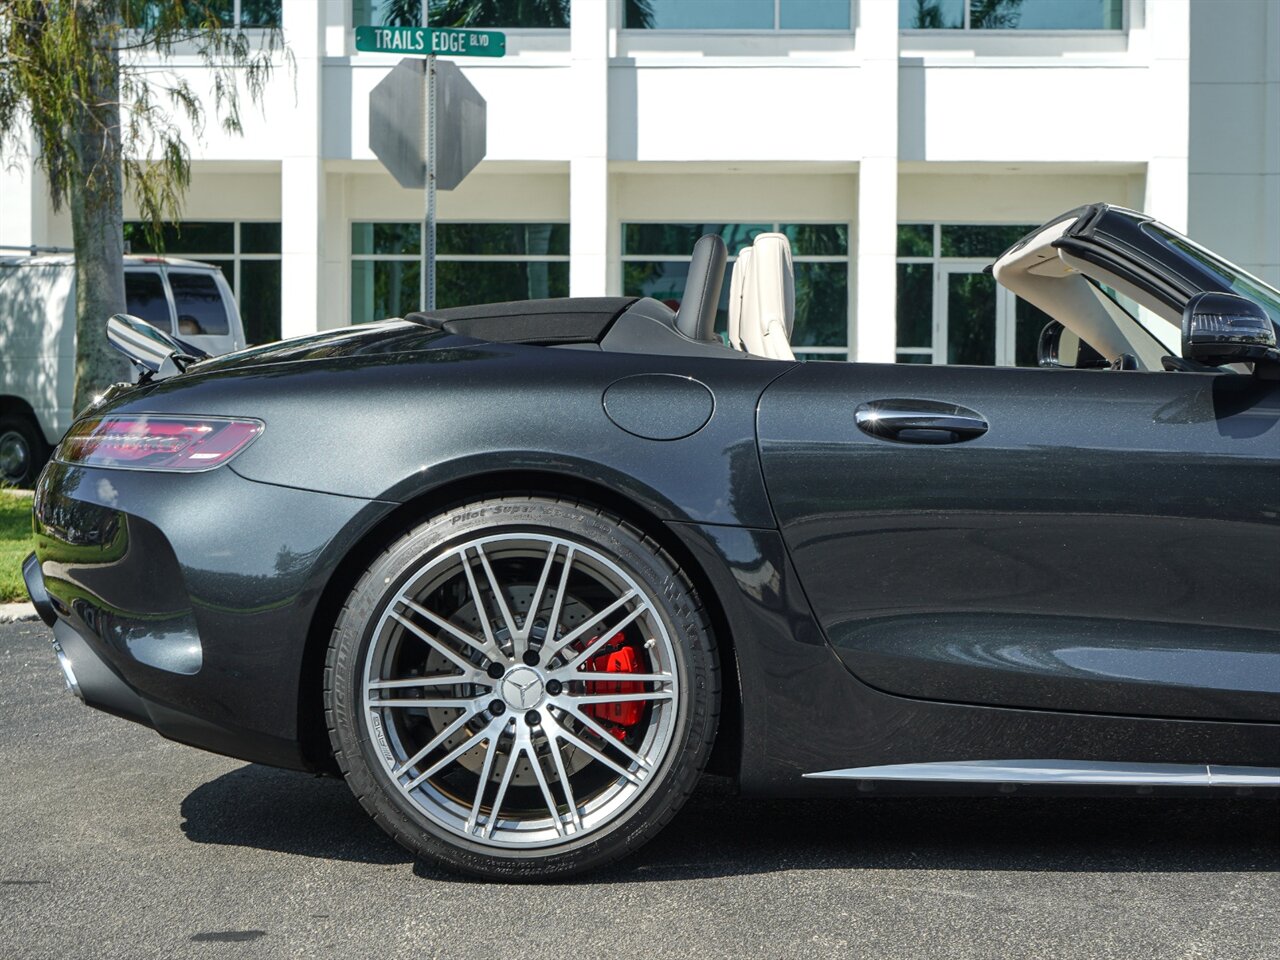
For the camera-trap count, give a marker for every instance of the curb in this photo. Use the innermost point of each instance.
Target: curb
(15, 612)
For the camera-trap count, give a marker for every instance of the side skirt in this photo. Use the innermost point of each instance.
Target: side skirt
(1105, 773)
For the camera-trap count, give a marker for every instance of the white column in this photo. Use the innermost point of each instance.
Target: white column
(1268, 260)
(1169, 28)
(23, 198)
(877, 224)
(302, 186)
(589, 210)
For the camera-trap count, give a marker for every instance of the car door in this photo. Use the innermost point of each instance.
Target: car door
(1079, 540)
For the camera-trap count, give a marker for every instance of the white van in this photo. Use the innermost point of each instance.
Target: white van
(190, 300)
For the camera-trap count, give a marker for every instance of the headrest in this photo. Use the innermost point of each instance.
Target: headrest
(696, 318)
(739, 280)
(769, 301)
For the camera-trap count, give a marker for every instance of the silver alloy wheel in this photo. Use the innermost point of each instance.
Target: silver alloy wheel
(483, 697)
(15, 456)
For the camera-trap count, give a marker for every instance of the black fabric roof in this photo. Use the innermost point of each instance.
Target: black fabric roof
(561, 320)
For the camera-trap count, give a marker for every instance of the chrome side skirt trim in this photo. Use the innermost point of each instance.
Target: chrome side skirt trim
(1064, 771)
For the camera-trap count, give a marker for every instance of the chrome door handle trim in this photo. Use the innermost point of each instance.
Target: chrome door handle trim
(919, 421)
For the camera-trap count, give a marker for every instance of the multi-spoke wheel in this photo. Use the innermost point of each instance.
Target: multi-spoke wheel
(522, 687)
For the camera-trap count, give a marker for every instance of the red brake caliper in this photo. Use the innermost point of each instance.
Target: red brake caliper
(616, 716)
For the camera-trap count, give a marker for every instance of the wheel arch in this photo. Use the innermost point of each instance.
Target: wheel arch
(312, 733)
(14, 405)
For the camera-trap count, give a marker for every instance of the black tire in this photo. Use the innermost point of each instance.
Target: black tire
(672, 599)
(23, 451)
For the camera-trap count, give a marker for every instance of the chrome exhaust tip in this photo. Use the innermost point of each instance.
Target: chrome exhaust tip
(68, 673)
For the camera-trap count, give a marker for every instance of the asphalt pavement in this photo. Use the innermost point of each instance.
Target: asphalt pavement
(117, 843)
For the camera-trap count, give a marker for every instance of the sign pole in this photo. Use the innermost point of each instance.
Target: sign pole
(412, 155)
(428, 297)
(427, 280)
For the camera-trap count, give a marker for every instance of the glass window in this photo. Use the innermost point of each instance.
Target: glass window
(738, 14)
(656, 264)
(146, 14)
(475, 263)
(1011, 14)
(182, 239)
(463, 282)
(513, 239)
(260, 237)
(915, 306)
(1030, 321)
(248, 252)
(258, 295)
(387, 238)
(813, 15)
(817, 239)
(1230, 277)
(144, 298)
(543, 14)
(260, 13)
(915, 240)
(677, 239)
(383, 288)
(941, 269)
(980, 240)
(822, 305)
(198, 304)
(931, 14)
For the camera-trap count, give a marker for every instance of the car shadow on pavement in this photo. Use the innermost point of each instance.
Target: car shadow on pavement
(718, 834)
(288, 812)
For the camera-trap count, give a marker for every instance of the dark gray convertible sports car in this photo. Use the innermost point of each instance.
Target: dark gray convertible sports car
(521, 572)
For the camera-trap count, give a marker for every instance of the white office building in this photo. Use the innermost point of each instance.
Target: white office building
(901, 144)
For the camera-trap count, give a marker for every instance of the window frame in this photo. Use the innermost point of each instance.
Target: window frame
(937, 352)
(240, 25)
(1126, 20)
(849, 259)
(353, 257)
(776, 29)
(507, 29)
(237, 11)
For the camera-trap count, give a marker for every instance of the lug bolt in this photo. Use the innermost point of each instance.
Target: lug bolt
(531, 658)
(497, 708)
(532, 718)
(554, 687)
(496, 670)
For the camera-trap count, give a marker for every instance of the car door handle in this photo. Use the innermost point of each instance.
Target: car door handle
(919, 421)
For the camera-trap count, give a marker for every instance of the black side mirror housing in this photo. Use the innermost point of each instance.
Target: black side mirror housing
(1222, 328)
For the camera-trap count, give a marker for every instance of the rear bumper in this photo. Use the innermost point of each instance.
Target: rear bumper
(184, 602)
(34, 581)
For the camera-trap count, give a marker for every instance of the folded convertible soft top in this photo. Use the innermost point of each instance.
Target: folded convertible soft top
(559, 320)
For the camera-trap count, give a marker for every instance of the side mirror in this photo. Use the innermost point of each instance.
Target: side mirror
(151, 350)
(1060, 347)
(1221, 328)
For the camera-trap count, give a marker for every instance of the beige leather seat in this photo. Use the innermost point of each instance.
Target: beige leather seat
(738, 282)
(768, 311)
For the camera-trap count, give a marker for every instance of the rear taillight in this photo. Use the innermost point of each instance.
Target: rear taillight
(184, 444)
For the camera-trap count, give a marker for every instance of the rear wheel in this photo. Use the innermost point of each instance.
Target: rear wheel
(522, 687)
(22, 451)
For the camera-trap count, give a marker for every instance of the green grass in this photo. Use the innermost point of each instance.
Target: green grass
(15, 544)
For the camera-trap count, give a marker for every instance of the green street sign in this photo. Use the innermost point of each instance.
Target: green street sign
(432, 41)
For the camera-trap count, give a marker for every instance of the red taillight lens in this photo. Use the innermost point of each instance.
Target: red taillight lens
(156, 443)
